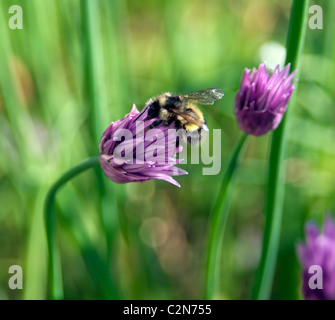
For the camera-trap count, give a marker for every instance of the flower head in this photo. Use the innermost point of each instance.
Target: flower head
(129, 152)
(262, 99)
(319, 251)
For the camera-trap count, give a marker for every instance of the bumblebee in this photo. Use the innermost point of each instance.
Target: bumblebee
(181, 111)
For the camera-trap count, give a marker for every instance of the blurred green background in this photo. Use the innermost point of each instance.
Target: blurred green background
(76, 66)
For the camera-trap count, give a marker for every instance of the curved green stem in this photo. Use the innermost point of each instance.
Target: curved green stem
(218, 218)
(275, 185)
(54, 269)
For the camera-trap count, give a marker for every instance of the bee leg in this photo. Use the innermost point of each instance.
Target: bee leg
(177, 142)
(154, 124)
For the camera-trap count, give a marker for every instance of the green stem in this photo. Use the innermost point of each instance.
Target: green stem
(218, 218)
(275, 185)
(55, 273)
(95, 96)
(92, 64)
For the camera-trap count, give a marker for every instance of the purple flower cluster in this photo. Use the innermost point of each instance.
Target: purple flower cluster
(319, 250)
(262, 99)
(131, 162)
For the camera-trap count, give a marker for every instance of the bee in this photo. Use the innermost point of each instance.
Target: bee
(181, 111)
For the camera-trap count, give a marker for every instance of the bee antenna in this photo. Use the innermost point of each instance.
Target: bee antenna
(141, 113)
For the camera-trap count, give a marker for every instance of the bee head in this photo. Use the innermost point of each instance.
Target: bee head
(153, 110)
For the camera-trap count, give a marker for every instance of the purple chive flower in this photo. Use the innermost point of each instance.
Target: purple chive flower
(262, 99)
(129, 152)
(319, 251)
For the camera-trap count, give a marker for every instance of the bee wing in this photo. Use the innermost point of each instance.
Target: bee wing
(188, 117)
(205, 97)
